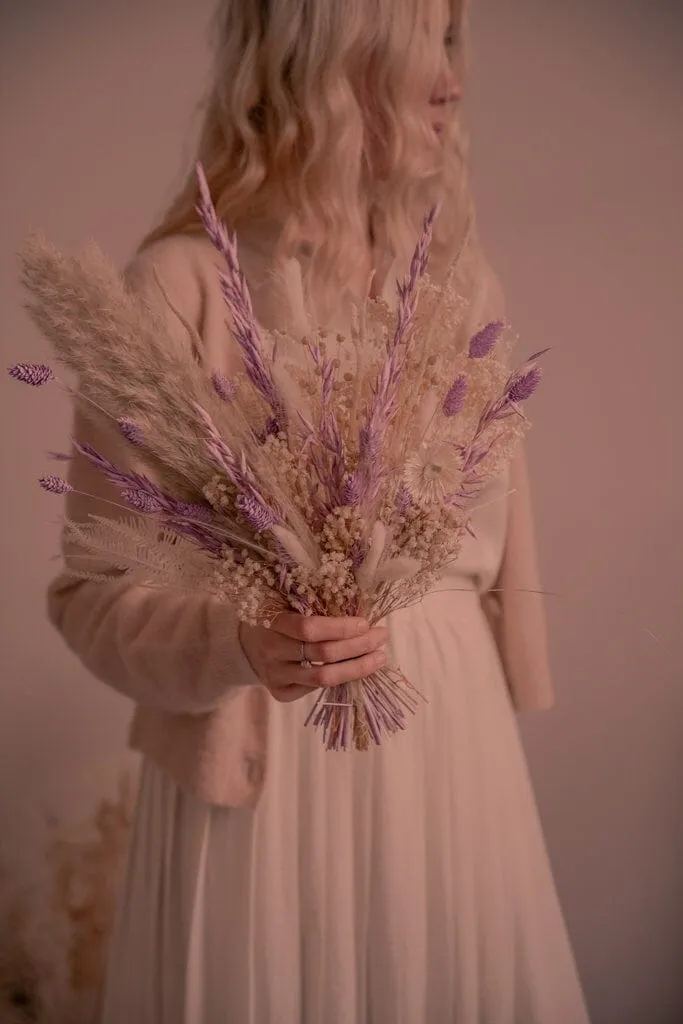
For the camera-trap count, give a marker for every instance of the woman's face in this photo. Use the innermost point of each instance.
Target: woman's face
(441, 97)
(447, 90)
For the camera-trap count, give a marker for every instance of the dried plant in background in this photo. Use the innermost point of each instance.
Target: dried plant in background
(334, 474)
(57, 904)
(86, 869)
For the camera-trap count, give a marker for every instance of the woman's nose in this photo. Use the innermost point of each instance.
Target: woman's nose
(447, 89)
(447, 94)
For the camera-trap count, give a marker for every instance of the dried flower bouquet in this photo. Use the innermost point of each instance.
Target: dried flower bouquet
(339, 483)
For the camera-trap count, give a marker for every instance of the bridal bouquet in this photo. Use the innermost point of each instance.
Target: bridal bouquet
(339, 482)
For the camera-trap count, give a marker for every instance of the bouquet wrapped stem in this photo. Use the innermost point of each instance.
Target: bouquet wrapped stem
(358, 714)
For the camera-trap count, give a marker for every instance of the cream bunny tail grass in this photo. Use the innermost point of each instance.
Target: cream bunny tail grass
(128, 365)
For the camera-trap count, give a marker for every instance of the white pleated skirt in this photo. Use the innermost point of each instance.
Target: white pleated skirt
(405, 885)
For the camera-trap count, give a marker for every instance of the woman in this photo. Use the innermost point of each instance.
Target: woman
(269, 881)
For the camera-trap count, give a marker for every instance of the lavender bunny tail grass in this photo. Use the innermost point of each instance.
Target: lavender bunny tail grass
(34, 374)
(223, 386)
(523, 387)
(484, 340)
(55, 484)
(455, 399)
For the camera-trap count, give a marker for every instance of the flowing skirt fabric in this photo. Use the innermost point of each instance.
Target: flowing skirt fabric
(405, 885)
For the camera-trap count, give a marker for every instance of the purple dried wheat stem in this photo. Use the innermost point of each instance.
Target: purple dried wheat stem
(220, 451)
(144, 495)
(407, 291)
(236, 294)
(141, 501)
(259, 517)
(136, 481)
(384, 401)
(358, 554)
(351, 491)
(237, 471)
(404, 499)
(331, 436)
(199, 513)
(131, 431)
(330, 465)
(270, 429)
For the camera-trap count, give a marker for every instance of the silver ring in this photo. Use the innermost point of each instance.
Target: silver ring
(305, 662)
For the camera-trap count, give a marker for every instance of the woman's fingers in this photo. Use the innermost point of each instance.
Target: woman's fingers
(317, 677)
(315, 629)
(342, 649)
(330, 651)
(289, 693)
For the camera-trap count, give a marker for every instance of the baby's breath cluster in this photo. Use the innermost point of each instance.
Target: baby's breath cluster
(221, 494)
(285, 470)
(499, 455)
(431, 534)
(248, 583)
(342, 531)
(330, 587)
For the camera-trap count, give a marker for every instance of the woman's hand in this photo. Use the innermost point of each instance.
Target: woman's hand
(333, 651)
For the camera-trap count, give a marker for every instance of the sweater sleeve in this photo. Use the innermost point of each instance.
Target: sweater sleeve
(165, 649)
(515, 606)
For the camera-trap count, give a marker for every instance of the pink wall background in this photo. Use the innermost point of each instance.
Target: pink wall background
(577, 124)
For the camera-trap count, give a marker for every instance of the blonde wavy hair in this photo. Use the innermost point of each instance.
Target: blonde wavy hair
(317, 116)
